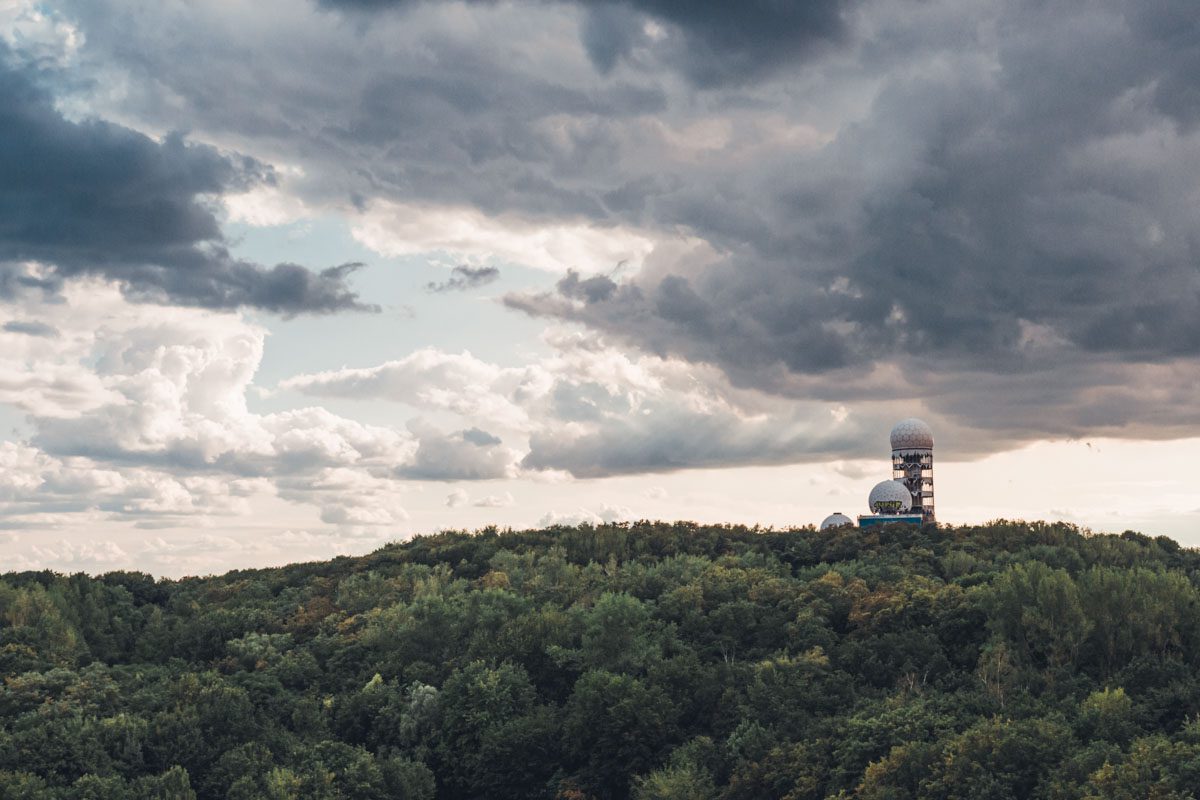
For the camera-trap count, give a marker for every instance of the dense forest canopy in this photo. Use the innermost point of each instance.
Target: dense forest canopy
(652, 660)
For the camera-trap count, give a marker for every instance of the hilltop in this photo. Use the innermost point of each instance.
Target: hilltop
(650, 661)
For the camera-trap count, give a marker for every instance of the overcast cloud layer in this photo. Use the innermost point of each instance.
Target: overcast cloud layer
(92, 197)
(1007, 188)
(763, 231)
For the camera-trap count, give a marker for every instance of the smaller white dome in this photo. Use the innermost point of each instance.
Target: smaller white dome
(836, 520)
(912, 434)
(889, 497)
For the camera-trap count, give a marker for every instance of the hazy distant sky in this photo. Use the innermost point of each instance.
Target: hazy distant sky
(282, 279)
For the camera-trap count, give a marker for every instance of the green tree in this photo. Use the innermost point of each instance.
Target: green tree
(616, 727)
(1038, 610)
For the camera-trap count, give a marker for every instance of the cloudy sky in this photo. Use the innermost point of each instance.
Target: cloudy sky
(288, 278)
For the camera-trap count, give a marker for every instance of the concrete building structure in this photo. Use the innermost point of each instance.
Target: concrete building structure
(908, 496)
(912, 463)
(836, 520)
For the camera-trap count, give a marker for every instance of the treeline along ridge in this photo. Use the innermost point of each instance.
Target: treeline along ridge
(653, 660)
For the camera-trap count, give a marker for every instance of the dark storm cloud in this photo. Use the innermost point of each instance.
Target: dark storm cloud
(407, 108)
(465, 277)
(675, 317)
(94, 197)
(16, 279)
(722, 42)
(719, 42)
(1041, 192)
(988, 201)
(423, 133)
(609, 33)
(590, 290)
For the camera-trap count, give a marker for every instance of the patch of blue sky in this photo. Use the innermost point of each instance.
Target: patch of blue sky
(412, 317)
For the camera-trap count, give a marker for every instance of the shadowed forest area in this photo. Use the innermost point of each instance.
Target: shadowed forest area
(652, 660)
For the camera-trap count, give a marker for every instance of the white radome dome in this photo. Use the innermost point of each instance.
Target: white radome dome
(836, 520)
(889, 497)
(912, 434)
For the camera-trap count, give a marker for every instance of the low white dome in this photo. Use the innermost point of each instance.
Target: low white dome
(889, 497)
(912, 434)
(836, 520)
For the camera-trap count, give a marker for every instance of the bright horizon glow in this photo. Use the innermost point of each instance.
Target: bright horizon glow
(969, 493)
(423, 266)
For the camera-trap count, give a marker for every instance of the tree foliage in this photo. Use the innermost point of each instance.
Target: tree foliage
(650, 661)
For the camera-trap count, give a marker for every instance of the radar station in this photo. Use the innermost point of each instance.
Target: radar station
(908, 496)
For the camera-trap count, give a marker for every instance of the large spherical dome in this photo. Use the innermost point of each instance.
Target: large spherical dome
(889, 497)
(836, 520)
(912, 434)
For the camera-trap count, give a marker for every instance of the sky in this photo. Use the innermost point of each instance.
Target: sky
(287, 279)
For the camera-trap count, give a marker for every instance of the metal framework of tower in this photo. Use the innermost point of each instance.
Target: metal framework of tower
(913, 466)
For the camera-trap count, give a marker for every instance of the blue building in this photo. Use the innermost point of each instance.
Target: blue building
(867, 520)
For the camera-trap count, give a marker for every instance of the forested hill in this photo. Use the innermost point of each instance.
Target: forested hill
(650, 661)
